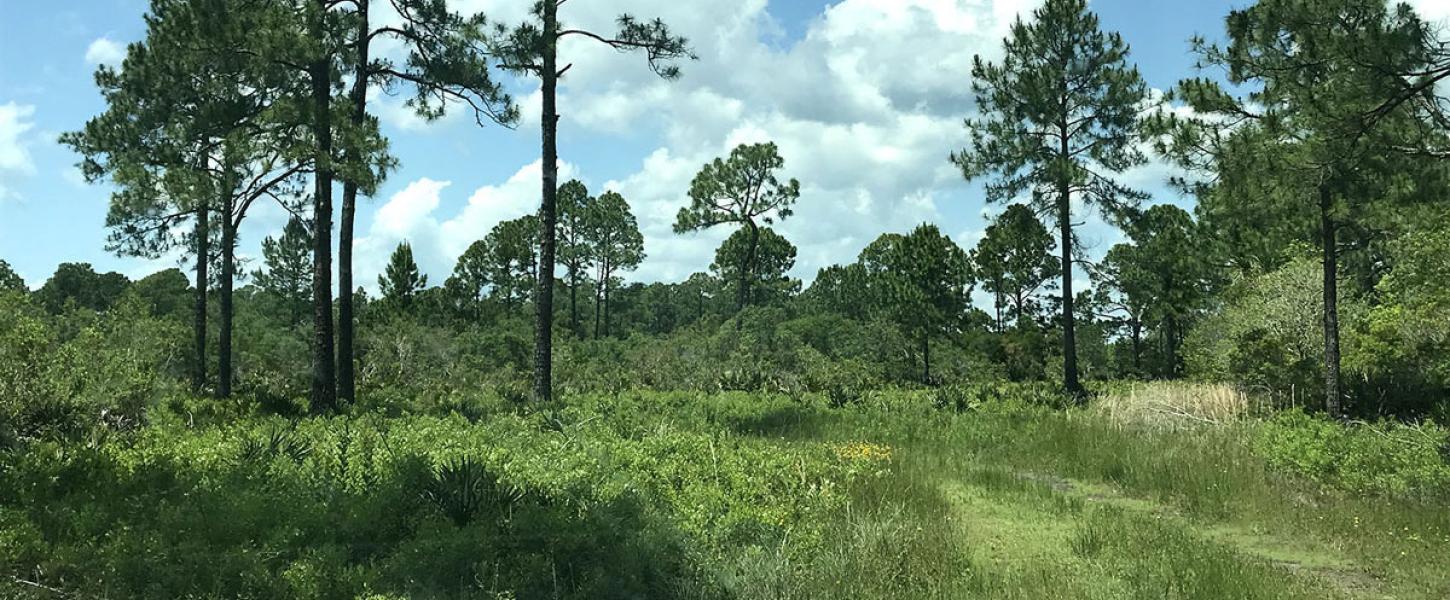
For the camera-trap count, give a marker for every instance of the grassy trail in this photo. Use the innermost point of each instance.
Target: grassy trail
(1101, 539)
(1054, 506)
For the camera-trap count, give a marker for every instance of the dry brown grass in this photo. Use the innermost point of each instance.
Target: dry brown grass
(1173, 404)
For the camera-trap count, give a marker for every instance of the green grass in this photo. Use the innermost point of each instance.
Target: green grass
(702, 496)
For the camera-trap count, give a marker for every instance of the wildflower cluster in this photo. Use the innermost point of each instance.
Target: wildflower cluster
(863, 451)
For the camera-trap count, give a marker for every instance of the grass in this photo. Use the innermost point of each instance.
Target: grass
(713, 496)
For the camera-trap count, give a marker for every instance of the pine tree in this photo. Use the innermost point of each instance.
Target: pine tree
(1014, 260)
(741, 189)
(769, 280)
(617, 245)
(401, 281)
(1059, 117)
(922, 282)
(532, 48)
(288, 266)
(1326, 133)
(576, 252)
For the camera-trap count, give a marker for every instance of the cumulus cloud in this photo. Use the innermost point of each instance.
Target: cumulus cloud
(1433, 10)
(15, 123)
(104, 51)
(413, 215)
(865, 107)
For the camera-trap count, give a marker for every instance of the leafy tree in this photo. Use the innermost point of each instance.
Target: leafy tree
(1172, 267)
(774, 256)
(922, 282)
(741, 189)
(1014, 260)
(81, 285)
(288, 262)
(613, 235)
(531, 48)
(842, 289)
(166, 291)
(1313, 142)
(10, 281)
(1059, 117)
(699, 291)
(576, 253)
(401, 280)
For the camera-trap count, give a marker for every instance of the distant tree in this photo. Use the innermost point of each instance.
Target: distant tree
(78, 283)
(470, 279)
(576, 253)
(513, 260)
(922, 282)
(10, 281)
(774, 256)
(617, 245)
(842, 289)
(167, 292)
(1014, 260)
(1059, 116)
(288, 268)
(532, 48)
(401, 281)
(1121, 293)
(699, 292)
(740, 189)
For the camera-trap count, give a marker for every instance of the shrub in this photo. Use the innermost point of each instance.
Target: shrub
(1380, 458)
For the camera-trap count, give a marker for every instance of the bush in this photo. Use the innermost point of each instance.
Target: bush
(1380, 458)
(104, 378)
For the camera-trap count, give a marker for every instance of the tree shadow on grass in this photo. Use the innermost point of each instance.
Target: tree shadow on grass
(282, 524)
(789, 421)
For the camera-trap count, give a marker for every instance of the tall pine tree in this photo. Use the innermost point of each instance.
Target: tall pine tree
(1060, 116)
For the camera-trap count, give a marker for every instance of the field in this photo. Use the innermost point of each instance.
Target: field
(1150, 491)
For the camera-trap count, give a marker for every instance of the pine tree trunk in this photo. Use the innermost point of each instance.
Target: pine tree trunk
(606, 308)
(1064, 217)
(925, 358)
(598, 302)
(1328, 233)
(203, 250)
(1069, 336)
(324, 378)
(574, 300)
(229, 272)
(544, 296)
(997, 304)
(742, 296)
(346, 384)
(1137, 326)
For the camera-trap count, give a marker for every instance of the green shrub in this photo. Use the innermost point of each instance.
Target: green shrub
(1378, 458)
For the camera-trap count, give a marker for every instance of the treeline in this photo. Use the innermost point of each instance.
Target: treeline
(1315, 146)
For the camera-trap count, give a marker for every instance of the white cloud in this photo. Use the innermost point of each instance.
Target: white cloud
(866, 107)
(104, 51)
(413, 215)
(15, 123)
(1432, 10)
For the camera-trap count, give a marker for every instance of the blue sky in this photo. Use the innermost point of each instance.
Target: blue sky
(865, 98)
